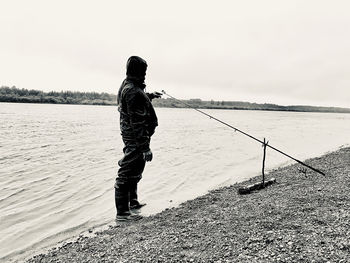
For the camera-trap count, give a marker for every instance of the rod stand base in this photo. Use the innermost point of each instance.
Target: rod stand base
(257, 186)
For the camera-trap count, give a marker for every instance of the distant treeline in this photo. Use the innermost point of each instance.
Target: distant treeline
(64, 97)
(241, 105)
(14, 94)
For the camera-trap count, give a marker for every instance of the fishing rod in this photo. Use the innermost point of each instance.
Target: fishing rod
(246, 134)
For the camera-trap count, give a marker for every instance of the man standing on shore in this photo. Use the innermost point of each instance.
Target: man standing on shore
(138, 121)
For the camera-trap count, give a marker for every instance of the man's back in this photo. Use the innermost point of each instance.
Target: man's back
(137, 116)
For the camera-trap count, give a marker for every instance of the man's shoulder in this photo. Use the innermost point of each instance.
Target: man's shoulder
(130, 90)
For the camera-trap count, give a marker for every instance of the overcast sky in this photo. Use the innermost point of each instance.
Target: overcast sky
(283, 51)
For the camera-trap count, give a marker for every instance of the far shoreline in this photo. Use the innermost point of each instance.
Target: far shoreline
(346, 110)
(16, 95)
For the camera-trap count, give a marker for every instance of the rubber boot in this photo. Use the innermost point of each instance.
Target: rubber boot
(134, 203)
(122, 204)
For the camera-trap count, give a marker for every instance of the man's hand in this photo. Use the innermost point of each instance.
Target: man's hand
(154, 95)
(147, 156)
(157, 94)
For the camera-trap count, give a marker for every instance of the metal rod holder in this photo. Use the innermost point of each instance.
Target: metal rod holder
(263, 164)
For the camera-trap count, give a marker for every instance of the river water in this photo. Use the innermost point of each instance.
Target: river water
(58, 163)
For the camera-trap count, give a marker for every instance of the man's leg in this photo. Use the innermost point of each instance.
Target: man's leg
(134, 203)
(139, 166)
(130, 171)
(122, 197)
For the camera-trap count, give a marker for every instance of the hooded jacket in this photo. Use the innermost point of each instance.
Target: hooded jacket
(138, 119)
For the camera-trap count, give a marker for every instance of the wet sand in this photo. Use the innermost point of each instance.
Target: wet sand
(300, 218)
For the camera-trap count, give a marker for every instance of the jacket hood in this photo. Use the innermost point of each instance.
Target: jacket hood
(136, 68)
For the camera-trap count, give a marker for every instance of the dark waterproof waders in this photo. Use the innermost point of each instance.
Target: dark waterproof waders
(129, 174)
(134, 203)
(122, 199)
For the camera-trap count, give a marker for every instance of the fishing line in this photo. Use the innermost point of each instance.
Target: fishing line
(246, 134)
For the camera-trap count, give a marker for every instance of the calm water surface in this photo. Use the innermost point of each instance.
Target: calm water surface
(58, 163)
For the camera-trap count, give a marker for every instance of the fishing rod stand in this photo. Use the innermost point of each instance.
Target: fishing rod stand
(263, 184)
(260, 185)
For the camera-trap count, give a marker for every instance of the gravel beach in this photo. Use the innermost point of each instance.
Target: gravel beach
(300, 218)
